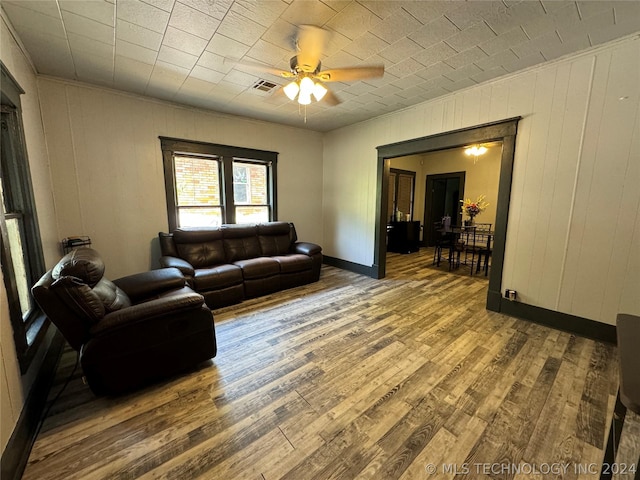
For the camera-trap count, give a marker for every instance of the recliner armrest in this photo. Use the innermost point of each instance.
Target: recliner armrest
(185, 267)
(149, 311)
(306, 248)
(146, 284)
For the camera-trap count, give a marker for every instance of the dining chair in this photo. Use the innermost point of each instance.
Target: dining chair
(478, 245)
(442, 239)
(486, 252)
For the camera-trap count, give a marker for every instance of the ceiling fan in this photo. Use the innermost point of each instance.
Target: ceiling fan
(305, 69)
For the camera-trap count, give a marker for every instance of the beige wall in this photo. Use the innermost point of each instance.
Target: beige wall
(15, 388)
(99, 173)
(107, 167)
(574, 226)
(481, 178)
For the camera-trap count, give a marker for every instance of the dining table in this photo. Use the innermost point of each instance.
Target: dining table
(469, 238)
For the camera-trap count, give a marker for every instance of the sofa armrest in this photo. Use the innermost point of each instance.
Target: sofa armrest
(306, 248)
(149, 311)
(185, 267)
(147, 284)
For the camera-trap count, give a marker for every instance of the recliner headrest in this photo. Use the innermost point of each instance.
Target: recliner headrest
(82, 263)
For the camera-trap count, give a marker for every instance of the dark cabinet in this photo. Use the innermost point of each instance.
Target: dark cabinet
(403, 237)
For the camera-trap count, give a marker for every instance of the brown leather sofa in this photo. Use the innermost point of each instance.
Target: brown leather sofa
(230, 263)
(131, 331)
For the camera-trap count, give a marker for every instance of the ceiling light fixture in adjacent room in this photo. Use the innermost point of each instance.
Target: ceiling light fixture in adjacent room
(475, 150)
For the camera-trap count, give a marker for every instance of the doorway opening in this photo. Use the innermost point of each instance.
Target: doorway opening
(443, 193)
(503, 131)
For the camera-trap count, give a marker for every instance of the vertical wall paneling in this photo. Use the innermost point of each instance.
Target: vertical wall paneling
(16, 388)
(107, 167)
(60, 145)
(544, 241)
(611, 194)
(532, 193)
(571, 221)
(578, 88)
(518, 95)
(584, 179)
(13, 395)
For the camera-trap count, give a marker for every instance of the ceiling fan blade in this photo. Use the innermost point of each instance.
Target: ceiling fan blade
(351, 74)
(331, 99)
(311, 43)
(261, 68)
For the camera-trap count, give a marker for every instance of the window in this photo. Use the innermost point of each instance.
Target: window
(20, 246)
(208, 185)
(401, 193)
(197, 190)
(250, 192)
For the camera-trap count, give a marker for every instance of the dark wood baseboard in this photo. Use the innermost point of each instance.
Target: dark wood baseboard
(550, 318)
(350, 266)
(497, 303)
(16, 453)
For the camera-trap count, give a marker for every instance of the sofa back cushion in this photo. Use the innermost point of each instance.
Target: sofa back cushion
(274, 238)
(240, 242)
(200, 247)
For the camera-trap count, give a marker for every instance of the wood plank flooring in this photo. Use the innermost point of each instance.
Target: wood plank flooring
(408, 377)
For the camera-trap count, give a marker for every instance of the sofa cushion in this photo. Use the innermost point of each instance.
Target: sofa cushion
(112, 297)
(258, 267)
(199, 247)
(275, 238)
(79, 297)
(294, 263)
(240, 242)
(82, 263)
(216, 278)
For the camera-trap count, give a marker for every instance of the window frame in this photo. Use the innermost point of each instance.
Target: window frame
(246, 162)
(226, 155)
(28, 330)
(407, 173)
(216, 159)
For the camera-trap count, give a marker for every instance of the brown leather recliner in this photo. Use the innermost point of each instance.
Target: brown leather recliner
(131, 331)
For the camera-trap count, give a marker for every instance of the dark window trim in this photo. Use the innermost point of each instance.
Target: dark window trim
(27, 333)
(226, 155)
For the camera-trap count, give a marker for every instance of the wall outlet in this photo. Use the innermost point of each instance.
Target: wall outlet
(510, 294)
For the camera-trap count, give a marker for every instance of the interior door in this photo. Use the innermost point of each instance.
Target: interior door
(443, 194)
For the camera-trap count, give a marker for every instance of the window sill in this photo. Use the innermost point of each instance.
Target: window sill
(34, 336)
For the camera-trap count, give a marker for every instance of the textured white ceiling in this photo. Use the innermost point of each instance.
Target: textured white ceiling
(185, 51)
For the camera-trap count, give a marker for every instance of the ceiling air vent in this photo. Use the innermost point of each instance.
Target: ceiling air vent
(264, 86)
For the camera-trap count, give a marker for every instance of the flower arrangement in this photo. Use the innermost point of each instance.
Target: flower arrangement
(471, 209)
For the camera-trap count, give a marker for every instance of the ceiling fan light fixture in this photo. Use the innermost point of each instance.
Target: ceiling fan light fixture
(306, 87)
(304, 98)
(291, 90)
(319, 91)
(476, 150)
